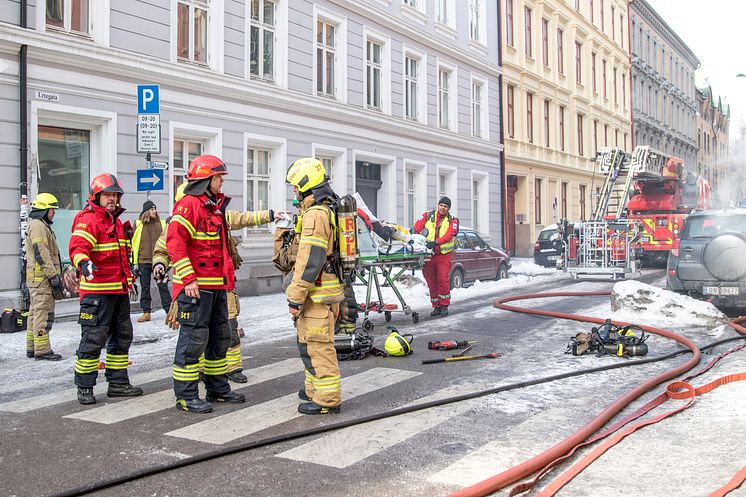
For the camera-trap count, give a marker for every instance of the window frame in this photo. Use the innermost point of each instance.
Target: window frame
(340, 53)
(510, 109)
(509, 23)
(483, 110)
(99, 19)
(215, 34)
(561, 51)
(537, 200)
(370, 35)
(452, 94)
(528, 34)
(481, 24)
(280, 45)
(212, 137)
(341, 167)
(530, 116)
(561, 111)
(547, 110)
(419, 168)
(578, 62)
(481, 221)
(580, 137)
(421, 81)
(451, 185)
(545, 41)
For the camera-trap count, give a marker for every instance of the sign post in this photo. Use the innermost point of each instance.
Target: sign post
(149, 131)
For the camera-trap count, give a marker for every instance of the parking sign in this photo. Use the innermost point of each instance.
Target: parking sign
(148, 99)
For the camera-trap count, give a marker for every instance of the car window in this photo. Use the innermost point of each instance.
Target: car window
(462, 242)
(711, 226)
(475, 240)
(546, 235)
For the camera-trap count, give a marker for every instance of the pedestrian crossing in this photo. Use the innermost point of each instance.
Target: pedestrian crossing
(324, 449)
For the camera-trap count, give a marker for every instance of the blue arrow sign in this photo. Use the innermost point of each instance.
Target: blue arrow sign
(148, 99)
(149, 180)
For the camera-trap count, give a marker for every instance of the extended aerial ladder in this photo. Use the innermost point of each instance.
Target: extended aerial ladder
(612, 201)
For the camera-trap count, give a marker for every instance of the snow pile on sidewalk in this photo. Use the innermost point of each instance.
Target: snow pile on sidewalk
(527, 267)
(632, 299)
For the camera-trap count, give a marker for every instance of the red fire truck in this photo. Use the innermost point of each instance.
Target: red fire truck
(664, 194)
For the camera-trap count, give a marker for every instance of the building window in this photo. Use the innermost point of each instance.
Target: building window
(510, 97)
(69, 15)
(624, 92)
(603, 77)
(591, 9)
(478, 115)
(509, 23)
(257, 179)
(546, 123)
(581, 193)
(537, 201)
(527, 34)
(595, 136)
(562, 128)
(446, 111)
(613, 28)
(616, 137)
(262, 40)
(373, 75)
(580, 135)
(530, 117)
(326, 49)
(625, 141)
(578, 62)
(545, 41)
(621, 30)
(411, 194)
(593, 72)
(563, 200)
(577, 5)
(447, 184)
(616, 95)
(414, 87)
(602, 17)
(475, 20)
(560, 51)
(606, 135)
(67, 150)
(184, 151)
(475, 205)
(192, 26)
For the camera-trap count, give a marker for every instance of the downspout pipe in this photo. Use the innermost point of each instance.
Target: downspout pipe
(23, 138)
(631, 69)
(503, 177)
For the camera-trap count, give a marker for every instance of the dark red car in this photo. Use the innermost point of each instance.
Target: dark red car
(473, 259)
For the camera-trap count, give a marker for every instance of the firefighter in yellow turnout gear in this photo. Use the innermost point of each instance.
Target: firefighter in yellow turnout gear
(316, 290)
(161, 262)
(42, 276)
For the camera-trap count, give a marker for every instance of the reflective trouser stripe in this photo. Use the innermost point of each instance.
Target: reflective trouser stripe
(116, 361)
(233, 357)
(190, 372)
(216, 367)
(86, 366)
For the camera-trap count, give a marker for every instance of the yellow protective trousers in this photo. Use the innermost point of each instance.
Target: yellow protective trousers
(234, 350)
(40, 318)
(315, 327)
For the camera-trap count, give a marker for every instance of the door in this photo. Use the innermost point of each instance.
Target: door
(64, 171)
(368, 182)
(512, 188)
(487, 264)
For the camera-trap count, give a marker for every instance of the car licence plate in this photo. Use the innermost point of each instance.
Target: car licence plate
(555, 257)
(718, 290)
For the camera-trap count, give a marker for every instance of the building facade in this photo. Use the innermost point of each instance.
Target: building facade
(713, 158)
(565, 94)
(399, 98)
(663, 93)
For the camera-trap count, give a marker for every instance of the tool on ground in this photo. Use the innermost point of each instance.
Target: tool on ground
(493, 355)
(463, 352)
(621, 341)
(448, 344)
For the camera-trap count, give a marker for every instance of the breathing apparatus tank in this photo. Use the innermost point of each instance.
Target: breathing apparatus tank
(347, 234)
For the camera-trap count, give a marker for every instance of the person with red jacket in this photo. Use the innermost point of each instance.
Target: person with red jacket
(198, 246)
(439, 228)
(99, 248)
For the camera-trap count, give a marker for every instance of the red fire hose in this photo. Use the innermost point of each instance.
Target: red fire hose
(538, 462)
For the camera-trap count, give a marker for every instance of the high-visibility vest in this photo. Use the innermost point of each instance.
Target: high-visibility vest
(444, 223)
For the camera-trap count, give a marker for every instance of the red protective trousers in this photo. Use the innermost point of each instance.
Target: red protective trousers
(436, 272)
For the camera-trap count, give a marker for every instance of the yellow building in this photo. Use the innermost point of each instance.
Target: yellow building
(566, 93)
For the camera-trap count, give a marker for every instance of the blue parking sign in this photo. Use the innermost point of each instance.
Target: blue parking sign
(148, 99)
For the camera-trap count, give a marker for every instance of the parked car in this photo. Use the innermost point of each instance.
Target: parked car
(707, 261)
(473, 259)
(548, 246)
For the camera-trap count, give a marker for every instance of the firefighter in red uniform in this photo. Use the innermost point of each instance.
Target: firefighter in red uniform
(439, 228)
(197, 243)
(99, 248)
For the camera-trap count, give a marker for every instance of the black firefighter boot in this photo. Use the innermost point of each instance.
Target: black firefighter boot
(230, 397)
(85, 396)
(314, 408)
(49, 356)
(123, 390)
(302, 395)
(238, 377)
(435, 312)
(193, 405)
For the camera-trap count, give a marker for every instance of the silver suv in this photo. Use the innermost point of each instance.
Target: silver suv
(709, 259)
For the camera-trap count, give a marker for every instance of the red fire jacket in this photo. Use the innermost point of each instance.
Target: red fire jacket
(100, 237)
(197, 245)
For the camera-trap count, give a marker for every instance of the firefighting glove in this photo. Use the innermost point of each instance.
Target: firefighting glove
(135, 271)
(159, 272)
(430, 245)
(87, 268)
(134, 292)
(58, 290)
(171, 321)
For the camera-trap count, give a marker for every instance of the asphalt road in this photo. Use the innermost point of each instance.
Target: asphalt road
(46, 450)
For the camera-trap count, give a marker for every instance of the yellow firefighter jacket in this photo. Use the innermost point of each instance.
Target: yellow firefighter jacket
(313, 276)
(42, 253)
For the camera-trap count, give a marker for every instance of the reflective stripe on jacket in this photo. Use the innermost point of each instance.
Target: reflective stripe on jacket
(137, 237)
(312, 277)
(197, 244)
(446, 228)
(99, 236)
(42, 252)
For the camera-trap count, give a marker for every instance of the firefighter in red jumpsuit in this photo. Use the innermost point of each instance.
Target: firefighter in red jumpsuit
(439, 228)
(99, 248)
(197, 243)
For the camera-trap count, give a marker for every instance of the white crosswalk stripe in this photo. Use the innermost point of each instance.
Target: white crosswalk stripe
(147, 404)
(243, 422)
(50, 399)
(378, 435)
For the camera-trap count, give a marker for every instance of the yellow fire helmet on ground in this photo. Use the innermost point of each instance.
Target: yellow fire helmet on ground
(306, 173)
(398, 345)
